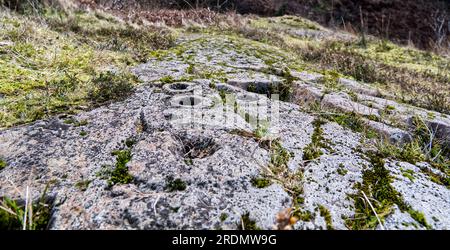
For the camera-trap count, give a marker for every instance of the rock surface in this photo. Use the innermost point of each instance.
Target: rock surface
(191, 170)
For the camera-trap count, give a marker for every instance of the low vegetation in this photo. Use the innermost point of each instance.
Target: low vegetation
(21, 215)
(117, 174)
(173, 184)
(376, 197)
(314, 149)
(54, 61)
(120, 174)
(247, 223)
(260, 182)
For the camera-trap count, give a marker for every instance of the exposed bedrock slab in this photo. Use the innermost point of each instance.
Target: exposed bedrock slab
(330, 179)
(217, 183)
(308, 77)
(359, 87)
(394, 135)
(343, 102)
(190, 168)
(156, 69)
(423, 195)
(305, 94)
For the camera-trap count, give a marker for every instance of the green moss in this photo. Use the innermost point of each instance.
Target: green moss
(279, 158)
(82, 123)
(313, 150)
(410, 152)
(419, 217)
(390, 108)
(261, 131)
(247, 117)
(304, 215)
(83, 133)
(110, 86)
(285, 88)
(439, 179)
(3, 164)
(223, 95)
(190, 69)
(247, 224)
(298, 22)
(83, 185)
(167, 79)
(223, 217)
(55, 62)
(188, 161)
(284, 23)
(173, 185)
(354, 122)
(377, 186)
(130, 142)
(325, 213)
(251, 88)
(213, 85)
(119, 174)
(341, 170)
(261, 182)
(408, 174)
(353, 95)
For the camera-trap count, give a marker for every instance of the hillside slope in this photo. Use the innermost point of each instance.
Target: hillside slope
(241, 122)
(421, 22)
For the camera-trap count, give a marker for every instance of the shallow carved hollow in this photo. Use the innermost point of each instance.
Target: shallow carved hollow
(198, 147)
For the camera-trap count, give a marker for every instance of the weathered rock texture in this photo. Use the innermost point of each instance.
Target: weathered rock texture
(185, 134)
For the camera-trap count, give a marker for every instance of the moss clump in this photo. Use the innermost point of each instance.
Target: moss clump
(167, 79)
(110, 86)
(410, 152)
(75, 122)
(223, 217)
(279, 158)
(119, 174)
(190, 69)
(173, 185)
(439, 179)
(313, 150)
(212, 85)
(389, 108)
(261, 131)
(377, 186)
(130, 142)
(325, 213)
(251, 88)
(341, 170)
(408, 174)
(285, 89)
(419, 217)
(304, 215)
(223, 96)
(83, 133)
(261, 182)
(247, 224)
(3, 164)
(83, 185)
(189, 161)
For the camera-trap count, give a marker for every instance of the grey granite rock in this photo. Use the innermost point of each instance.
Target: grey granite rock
(195, 152)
